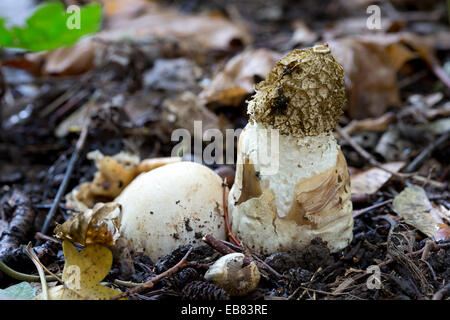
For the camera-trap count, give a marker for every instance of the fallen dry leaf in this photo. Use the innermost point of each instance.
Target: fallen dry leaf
(379, 124)
(370, 181)
(413, 206)
(302, 36)
(181, 112)
(237, 79)
(113, 175)
(442, 212)
(82, 274)
(99, 225)
(371, 63)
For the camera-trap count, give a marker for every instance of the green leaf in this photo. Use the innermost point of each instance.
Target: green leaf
(20, 291)
(48, 28)
(5, 36)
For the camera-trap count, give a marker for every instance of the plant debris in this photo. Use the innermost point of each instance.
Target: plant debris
(79, 123)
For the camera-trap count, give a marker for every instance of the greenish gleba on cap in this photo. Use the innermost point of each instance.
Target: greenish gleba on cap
(303, 95)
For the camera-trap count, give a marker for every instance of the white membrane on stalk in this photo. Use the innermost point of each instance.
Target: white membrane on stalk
(298, 159)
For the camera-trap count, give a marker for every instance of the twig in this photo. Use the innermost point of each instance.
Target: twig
(219, 246)
(361, 198)
(40, 236)
(22, 276)
(128, 284)
(357, 213)
(150, 283)
(225, 249)
(19, 226)
(414, 165)
(258, 261)
(440, 294)
(67, 95)
(368, 157)
(35, 259)
(225, 210)
(2, 93)
(38, 265)
(411, 254)
(330, 293)
(429, 245)
(440, 73)
(62, 188)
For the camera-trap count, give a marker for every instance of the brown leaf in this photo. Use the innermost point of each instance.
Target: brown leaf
(379, 124)
(302, 35)
(140, 21)
(181, 112)
(371, 63)
(99, 225)
(237, 79)
(370, 181)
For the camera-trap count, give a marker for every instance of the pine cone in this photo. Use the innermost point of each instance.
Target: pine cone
(179, 280)
(297, 276)
(201, 291)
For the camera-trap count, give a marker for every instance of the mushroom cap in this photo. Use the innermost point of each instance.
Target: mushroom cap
(303, 95)
(229, 273)
(172, 205)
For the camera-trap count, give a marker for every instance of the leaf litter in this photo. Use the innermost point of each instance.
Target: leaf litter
(398, 106)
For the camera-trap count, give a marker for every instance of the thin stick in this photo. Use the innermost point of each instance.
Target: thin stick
(225, 210)
(225, 249)
(258, 261)
(21, 276)
(414, 165)
(330, 293)
(62, 188)
(357, 213)
(411, 254)
(440, 294)
(219, 246)
(150, 283)
(33, 255)
(38, 265)
(363, 153)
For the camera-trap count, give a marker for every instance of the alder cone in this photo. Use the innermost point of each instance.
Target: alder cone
(179, 280)
(203, 291)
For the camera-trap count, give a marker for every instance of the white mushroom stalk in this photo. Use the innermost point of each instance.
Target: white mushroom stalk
(308, 195)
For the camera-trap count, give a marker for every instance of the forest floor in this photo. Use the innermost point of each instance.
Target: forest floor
(394, 134)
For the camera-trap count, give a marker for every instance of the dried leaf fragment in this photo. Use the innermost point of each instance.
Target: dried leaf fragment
(370, 181)
(113, 175)
(99, 225)
(413, 206)
(371, 63)
(82, 274)
(238, 77)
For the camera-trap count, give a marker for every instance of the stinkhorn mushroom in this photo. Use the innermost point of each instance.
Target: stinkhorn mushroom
(308, 196)
(172, 205)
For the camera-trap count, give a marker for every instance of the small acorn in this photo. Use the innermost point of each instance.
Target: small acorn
(229, 273)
